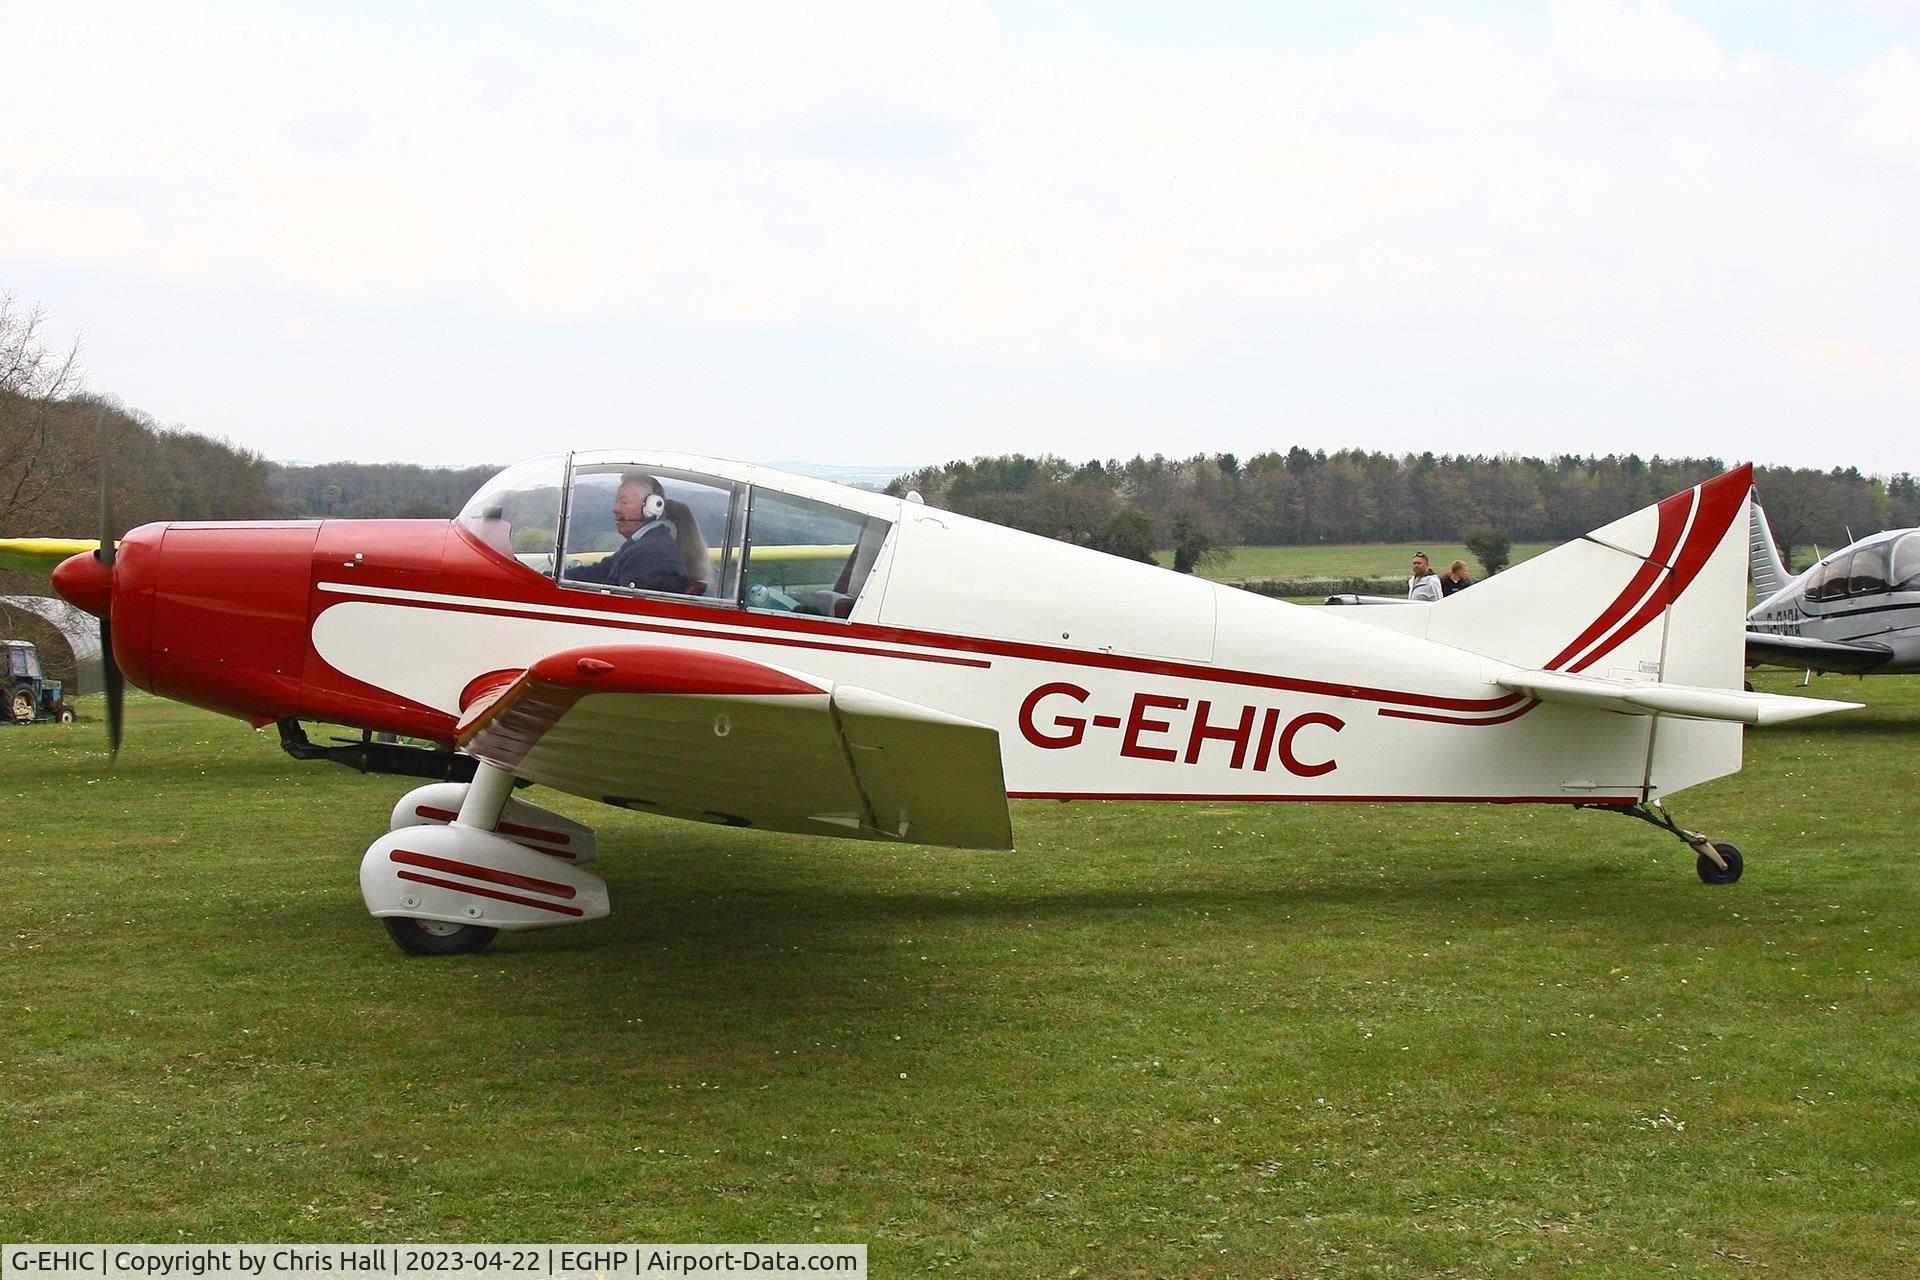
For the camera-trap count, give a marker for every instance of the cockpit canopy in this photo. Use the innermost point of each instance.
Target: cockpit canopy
(1868, 567)
(716, 533)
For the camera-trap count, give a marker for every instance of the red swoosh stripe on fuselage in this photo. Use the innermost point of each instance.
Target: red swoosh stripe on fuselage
(754, 632)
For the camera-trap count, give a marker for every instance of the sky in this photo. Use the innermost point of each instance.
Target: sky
(862, 233)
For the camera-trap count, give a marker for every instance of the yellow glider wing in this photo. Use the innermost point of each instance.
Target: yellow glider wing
(40, 555)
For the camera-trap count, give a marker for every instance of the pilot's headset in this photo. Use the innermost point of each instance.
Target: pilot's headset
(654, 507)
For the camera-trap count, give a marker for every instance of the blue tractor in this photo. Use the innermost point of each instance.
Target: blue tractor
(26, 694)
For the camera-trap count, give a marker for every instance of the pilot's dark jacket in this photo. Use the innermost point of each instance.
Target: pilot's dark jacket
(649, 560)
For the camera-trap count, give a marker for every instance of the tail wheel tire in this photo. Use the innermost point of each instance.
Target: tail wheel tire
(435, 937)
(22, 706)
(1712, 873)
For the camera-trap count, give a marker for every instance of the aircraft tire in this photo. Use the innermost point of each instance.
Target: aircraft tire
(1711, 873)
(425, 937)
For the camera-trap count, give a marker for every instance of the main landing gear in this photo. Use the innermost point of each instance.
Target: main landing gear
(463, 861)
(1717, 863)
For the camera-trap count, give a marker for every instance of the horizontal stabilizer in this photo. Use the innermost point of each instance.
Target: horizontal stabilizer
(1351, 598)
(1644, 698)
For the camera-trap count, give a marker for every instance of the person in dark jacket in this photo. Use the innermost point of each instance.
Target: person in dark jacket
(1455, 579)
(650, 558)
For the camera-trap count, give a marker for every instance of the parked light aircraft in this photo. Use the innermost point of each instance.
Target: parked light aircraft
(849, 664)
(1857, 611)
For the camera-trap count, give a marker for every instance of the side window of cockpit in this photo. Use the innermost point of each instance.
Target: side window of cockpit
(1869, 571)
(1830, 582)
(808, 557)
(1906, 562)
(634, 529)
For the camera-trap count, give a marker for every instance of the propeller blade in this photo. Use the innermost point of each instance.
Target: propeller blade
(115, 685)
(105, 553)
(111, 678)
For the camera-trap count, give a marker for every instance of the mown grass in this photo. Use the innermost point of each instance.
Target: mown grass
(1228, 1040)
(1364, 560)
(1350, 560)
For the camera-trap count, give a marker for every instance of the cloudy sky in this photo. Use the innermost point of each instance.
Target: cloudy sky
(874, 233)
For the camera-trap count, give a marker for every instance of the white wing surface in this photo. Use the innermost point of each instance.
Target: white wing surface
(715, 738)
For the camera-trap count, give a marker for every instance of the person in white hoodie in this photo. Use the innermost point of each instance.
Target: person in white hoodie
(1425, 583)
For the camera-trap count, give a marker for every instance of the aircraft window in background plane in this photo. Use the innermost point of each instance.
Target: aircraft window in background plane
(1829, 582)
(701, 517)
(1869, 571)
(1906, 561)
(517, 513)
(808, 557)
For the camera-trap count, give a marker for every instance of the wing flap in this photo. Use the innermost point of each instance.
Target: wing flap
(714, 738)
(1646, 698)
(925, 775)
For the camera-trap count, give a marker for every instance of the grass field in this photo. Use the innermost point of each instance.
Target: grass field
(1231, 1040)
(1351, 560)
(1367, 560)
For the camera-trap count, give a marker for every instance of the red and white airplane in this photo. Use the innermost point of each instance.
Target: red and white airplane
(716, 641)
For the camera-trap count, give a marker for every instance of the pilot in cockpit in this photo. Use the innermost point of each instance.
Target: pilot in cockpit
(650, 558)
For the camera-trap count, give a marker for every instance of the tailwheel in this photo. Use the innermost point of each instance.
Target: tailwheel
(1716, 863)
(437, 937)
(1725, 871)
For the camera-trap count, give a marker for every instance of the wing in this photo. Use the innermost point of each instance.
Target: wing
(716, 738)
(1766, 649)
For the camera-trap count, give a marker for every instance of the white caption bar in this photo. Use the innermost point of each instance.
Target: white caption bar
(426, 1261)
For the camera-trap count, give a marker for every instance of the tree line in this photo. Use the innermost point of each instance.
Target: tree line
(51, 432)
(1199, 503)
(373, 490)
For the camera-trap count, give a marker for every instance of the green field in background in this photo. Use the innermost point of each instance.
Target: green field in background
(1349, 560)
(1214, 1040)
(1366, 560)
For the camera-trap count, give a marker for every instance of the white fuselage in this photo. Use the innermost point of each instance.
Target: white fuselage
(1104, 678)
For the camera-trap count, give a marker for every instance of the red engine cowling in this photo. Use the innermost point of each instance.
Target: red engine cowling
(216, 614)
(220, 614)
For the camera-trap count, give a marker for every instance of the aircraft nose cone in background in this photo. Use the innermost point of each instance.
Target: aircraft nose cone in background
(85, 583)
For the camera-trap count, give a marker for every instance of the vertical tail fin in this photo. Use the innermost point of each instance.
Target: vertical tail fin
(1769, 575)
(1657, 597)
(1659, 594)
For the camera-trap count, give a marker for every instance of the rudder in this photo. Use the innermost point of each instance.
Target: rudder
(1769, 575)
